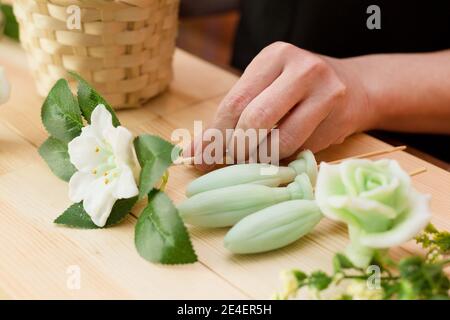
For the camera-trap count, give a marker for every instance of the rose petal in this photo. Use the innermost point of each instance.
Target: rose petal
(354, 174)
(405, 229)
(328, 184)
(372, 216)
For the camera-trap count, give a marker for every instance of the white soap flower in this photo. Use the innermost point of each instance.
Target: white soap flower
(5, 87)
(107, 166)
(377, 202)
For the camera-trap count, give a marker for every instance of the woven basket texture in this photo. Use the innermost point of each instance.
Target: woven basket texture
(124, 48)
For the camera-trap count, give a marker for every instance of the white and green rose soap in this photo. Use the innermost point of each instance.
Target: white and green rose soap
(377, 202)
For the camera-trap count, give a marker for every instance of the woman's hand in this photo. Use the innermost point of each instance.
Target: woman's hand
(315, 101)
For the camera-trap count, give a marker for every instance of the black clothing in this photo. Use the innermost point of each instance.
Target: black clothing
(338, 28)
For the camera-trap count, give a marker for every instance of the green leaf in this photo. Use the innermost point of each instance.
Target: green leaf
(61, 115)
(299, 275)
(439, 297)
(160, 235)
(319, 280)
(341, 262)
(76, 217)
(442, 240)
(11, 26)
(406, 291)
(89, 99)
(54, 152)
(390, 289)
(155, 157)
(422, 280)
(430, 228)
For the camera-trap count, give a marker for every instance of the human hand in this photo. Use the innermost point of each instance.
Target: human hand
(314, 101)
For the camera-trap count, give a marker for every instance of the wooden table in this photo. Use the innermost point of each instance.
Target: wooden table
(35, 254)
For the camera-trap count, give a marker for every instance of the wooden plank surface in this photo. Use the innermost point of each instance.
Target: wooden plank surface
(35, 254)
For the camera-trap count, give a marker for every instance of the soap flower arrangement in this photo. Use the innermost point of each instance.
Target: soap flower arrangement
(374, 198)
(109, 171)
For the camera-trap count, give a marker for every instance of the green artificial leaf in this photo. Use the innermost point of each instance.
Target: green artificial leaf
(155, 157)
(76, 217)
(341, 262)
(11, 26)
(160, 235)
(61, 115)
(319, 280)
(55, 154)
(89, 99)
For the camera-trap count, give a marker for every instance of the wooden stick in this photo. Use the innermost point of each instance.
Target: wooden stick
(371, 154)
(418, 171)
(190, 160)
(184, 161)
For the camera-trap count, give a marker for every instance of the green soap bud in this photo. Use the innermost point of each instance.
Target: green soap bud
(226, 206)
(255, 173)
(273, 227)
(306, 162)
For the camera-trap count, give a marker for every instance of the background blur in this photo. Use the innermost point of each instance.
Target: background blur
(207, 29)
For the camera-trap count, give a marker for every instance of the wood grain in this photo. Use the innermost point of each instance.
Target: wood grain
(35, 254)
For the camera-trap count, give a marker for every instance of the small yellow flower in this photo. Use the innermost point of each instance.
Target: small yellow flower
(359, 290)
(290, 285)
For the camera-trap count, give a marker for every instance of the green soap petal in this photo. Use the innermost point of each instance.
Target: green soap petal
(367, 214)
(405, 228)
(391, 195)
(328, 184)
(356, 173)
(401, 199)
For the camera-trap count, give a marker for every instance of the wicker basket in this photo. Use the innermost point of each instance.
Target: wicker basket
(124, 47)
